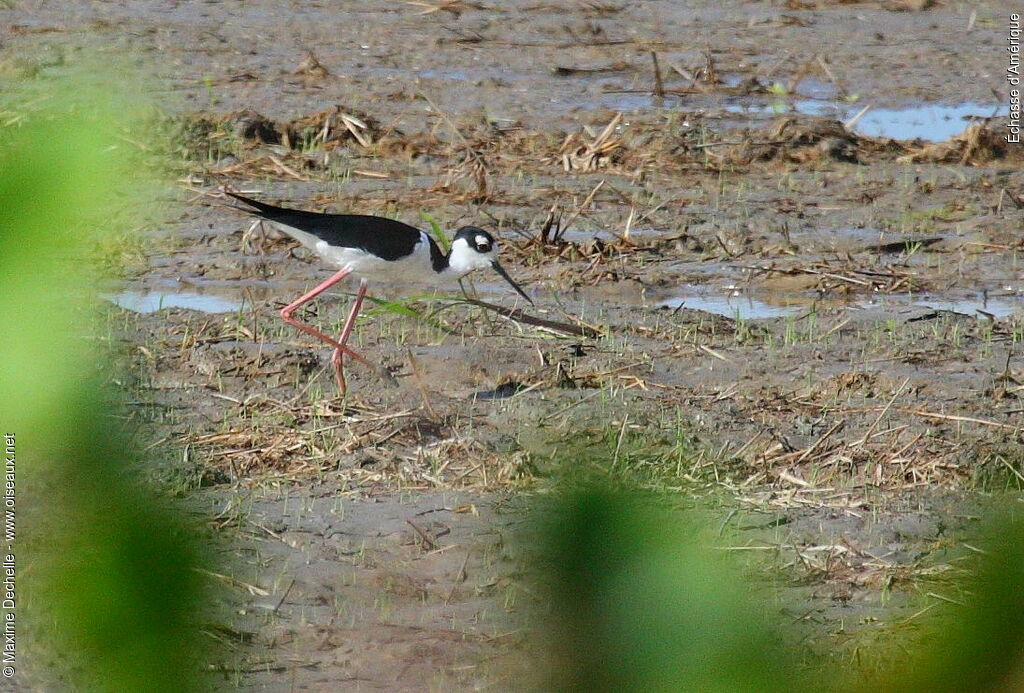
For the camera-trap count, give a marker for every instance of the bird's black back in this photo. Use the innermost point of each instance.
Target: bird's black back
(386, 238)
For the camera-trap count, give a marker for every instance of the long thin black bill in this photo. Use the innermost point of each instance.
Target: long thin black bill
(501, 270)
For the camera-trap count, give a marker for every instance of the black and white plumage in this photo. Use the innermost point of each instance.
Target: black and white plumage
(376, 248)
(379, 249)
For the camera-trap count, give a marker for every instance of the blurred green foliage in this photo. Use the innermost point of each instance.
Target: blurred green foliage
(108, 591)
(640, 602)
(980, 646)
(639, 606)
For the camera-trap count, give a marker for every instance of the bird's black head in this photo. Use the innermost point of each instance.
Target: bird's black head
(477, 239)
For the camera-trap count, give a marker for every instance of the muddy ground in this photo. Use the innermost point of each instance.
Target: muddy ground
(809, 331)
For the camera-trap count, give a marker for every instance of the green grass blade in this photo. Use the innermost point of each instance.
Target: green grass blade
(438, 233)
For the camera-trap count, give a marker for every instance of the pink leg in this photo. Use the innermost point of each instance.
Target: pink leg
(339, 346)
(337, 358)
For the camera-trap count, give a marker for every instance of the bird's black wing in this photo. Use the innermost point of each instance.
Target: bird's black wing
(386, 238)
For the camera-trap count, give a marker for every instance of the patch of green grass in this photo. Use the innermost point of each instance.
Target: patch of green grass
(631, 452)
(1001, 469)
(924, 220)
(199, 139)
(403, 308)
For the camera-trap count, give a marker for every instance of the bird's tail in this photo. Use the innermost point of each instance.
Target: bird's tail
(265, 210)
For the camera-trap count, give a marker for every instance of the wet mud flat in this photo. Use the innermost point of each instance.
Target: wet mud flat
(803, 322)
(405, 592)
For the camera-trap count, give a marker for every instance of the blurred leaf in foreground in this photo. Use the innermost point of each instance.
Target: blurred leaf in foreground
(106, 581)
(637, 606)
(980, 646)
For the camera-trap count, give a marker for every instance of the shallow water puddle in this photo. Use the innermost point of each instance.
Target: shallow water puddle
(746, 307)
(737, 307)
(997, 307)
(931, 122)
(152, 301)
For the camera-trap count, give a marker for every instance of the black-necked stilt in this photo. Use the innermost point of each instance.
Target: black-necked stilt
(375, 248)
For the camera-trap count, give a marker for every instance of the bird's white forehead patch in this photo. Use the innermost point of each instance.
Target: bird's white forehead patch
(482, 240)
